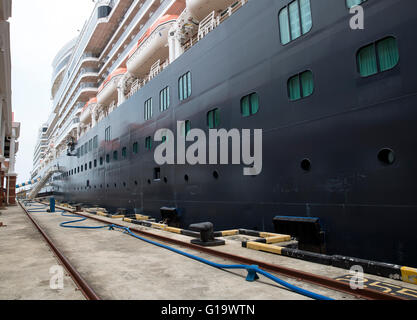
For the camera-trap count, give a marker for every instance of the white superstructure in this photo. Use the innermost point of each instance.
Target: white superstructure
(123, 45)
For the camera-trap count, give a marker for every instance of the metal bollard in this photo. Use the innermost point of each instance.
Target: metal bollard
(52, 204)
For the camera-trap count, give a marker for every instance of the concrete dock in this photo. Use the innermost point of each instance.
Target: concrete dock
(120, 267)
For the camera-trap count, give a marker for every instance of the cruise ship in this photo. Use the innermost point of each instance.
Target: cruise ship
(336, 105)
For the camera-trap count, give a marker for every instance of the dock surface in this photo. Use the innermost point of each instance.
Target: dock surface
(120, 267)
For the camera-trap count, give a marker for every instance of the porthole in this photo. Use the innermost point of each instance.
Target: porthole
(306, 165)
(386, 156)
(186, 178)
(216, 175)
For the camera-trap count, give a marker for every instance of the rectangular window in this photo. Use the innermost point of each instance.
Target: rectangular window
(107, 158)
(295, 19)
(185, 128)
(115, 155)
(249, 105)
(213, 119)
(184, 86)
(95, 142)
(164, 99)
(78, 153)
(148, 143)
(148, 109)
(377, 57)
(101, 161)
(91, 165)
(135, 148)
(124, 153)
(367, 61)
(90, 145)
(107, 134)
(82, 150)
(300, 86)
(95, 163)
(86, 148)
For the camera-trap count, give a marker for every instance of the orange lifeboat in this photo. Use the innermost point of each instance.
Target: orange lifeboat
(107, 92)
(151, 47)
(200, 9)
(86, 112)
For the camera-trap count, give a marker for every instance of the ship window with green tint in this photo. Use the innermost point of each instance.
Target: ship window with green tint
(115, 155)
(353, 3)
(148, 143)
(185, 128)
(213, 119)
(295, 20)
(249, 105)
(301, 86)
(135, 148)
(377, 57)
(164, 99)
(184, 86)
(107, 134)
(124, 153)
(107, 158)
(101, 161)
(148, 109)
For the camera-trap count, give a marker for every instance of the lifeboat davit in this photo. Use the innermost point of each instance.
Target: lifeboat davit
(151, 47)
(107, 92)
(200, 9)
(86, 113)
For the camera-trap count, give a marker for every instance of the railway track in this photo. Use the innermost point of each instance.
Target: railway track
(316, 280)
(83, 286)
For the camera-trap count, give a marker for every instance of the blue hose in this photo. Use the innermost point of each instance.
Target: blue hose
(252, 270)
(67, 224)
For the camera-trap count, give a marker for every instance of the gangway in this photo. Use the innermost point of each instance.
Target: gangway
(34, 192)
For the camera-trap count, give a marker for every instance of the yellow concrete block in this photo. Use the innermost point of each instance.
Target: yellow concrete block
(141, 217)
(409, 275)
(99, 213)
(159, 226)
(117, 217)
(267, 234)
(127, 220)
(228, 233)
(173, 230)
(264, 247)
(280, 238)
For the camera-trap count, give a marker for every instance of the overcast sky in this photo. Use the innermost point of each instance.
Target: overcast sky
(39, 29)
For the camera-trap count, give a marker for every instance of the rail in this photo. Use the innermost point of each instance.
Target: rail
(84, 287)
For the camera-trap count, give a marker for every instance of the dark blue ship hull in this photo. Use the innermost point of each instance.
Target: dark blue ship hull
(367, 209)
